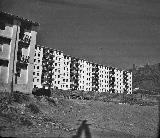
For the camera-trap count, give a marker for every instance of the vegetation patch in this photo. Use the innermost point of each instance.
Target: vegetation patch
(33, 108)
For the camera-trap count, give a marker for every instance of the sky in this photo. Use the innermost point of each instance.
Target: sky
(116, 33)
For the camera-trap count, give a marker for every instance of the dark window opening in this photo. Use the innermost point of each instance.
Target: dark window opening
(1, 48)
(4, 40)
(2, 26)
(4, 63)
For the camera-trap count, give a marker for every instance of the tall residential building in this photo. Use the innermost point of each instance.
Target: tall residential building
(17, 46)
(74, 75)
(119, 87)
(51, 69)
(58, 70)
(37, 73)
(103, 78)
(85, 75)
(111, 80)
(66, 72)
(95, 77)
(127, 81)
(47, 68)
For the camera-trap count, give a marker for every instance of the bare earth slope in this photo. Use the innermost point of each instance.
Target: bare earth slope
(27, 116)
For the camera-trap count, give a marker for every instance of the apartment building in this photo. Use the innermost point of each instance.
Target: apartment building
(54, 69)
(129, 82)
(85, 75)
(66, 72)
(17, 46)
(119, 87)
(111, 80)
(74, 75)
(103, 78)
(95, 77)
(37, 73)
(51, 69)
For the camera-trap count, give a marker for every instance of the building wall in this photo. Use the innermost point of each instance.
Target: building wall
(66, 73)
(118, 81)
(37, 83)
(58, 69)
(95, 77)
(13, 75)
(129, 78)
(103, 78)
(74, 73)
(85, 75)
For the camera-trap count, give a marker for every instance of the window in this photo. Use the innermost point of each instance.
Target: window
(38, 61)
(58, 77)
(64, 80)
(2, 26)
(4, 63)
(1, 48)
(37, 80)
(37, 67)
(58, 82)
(33, 73)
(38, 54)
(34, 60)
(37, 74)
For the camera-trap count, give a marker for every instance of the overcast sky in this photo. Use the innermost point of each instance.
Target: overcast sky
(112, 32)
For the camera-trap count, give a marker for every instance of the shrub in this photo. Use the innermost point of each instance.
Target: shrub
(42, 92)
(34, 108)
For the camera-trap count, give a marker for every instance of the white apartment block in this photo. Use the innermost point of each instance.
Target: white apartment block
(119, 87)
(103, 78)
(58, 69)
(85, 75)
(52, 68)
(129, 81)
(65, 76)
(37, 67)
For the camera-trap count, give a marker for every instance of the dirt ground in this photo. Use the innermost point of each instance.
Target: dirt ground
(63, 118)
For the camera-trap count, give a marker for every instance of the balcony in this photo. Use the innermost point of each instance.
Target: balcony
(25, 42)
(22, 63)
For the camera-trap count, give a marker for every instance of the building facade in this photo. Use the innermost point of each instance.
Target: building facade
(37, 73)
(25, 65)
(103, 78)
(54, 69)
(17, 46)
(85, 75)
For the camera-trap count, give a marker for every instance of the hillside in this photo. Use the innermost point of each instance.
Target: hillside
(147, 77)
(24, 115)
